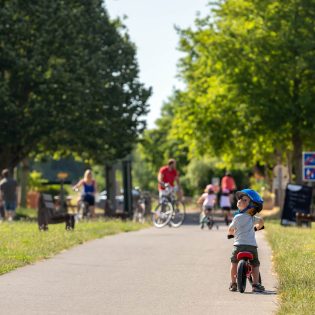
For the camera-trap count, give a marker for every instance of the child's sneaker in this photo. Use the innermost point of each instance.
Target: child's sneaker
(258, 288)
(233, 287)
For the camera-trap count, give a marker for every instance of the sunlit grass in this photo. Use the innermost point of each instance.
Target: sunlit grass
(22, 243)
(294, 257)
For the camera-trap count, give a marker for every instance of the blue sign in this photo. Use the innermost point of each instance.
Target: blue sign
(309, 173)
(309, 159)
(309, 166)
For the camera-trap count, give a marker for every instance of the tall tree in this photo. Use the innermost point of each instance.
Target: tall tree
(250, 77)
(68, 81)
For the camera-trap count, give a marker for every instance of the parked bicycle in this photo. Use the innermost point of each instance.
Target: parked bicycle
(169, 210)
(244, 268)
(139, 206)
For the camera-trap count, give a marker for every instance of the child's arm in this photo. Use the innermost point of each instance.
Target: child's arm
(231, 231)
(259, 223)
(201, 199)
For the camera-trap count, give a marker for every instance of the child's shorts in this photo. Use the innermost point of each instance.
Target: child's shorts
(207, 208)
(245, 248)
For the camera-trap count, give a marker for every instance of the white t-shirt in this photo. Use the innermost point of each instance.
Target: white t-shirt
(209, 200)
(243, 224)
(225, 201)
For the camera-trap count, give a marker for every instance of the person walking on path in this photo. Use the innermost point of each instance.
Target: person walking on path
(168, 174)
(228, 184)
(243, 228)
(8, 191)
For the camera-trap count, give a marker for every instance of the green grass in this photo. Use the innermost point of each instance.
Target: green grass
(22, 243)
(294, 257)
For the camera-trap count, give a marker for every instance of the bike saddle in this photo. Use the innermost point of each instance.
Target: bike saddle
(242, 255)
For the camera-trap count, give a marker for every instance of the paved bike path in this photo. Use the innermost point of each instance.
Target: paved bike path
(152, 271)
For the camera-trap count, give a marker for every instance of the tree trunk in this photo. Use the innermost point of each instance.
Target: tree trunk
(24, 171)
(110, 205)
(297, 157)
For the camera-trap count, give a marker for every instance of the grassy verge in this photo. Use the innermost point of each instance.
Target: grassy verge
(294, 257)
(21, 242)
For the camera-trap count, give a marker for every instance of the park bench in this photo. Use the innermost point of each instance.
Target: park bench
(303, 218)
(51, 213)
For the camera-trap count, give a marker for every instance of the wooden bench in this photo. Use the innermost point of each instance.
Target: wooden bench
(49, 213)
(303, 218)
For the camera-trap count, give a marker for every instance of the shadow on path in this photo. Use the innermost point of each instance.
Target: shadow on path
(266, 292)
(194, 218)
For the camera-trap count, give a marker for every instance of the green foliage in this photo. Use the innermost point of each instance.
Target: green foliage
(199, 173)
(67, 86)
(35, 181)
(142, 175)
(249, 71)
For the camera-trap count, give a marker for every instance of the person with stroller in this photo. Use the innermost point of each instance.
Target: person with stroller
(207, 200)
(243, 227)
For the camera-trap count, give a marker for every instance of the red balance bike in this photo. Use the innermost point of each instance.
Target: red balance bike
(244, 268)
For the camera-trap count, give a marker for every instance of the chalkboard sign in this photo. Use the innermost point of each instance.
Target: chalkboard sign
(298, 198)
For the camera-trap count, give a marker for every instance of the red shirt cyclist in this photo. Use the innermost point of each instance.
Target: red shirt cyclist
(168, 175)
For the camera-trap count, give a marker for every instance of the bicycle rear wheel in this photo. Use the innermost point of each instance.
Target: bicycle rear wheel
(241, 276)
(178, 216)
(162, 214)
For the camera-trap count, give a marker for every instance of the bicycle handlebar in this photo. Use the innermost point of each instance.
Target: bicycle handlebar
(259, 229)
(229, 236)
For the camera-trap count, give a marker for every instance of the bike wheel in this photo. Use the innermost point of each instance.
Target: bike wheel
(162, 214)
(241, 276)
(138, 215)
(178, 216)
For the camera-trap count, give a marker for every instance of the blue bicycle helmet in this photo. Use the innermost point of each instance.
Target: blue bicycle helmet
(256, 200)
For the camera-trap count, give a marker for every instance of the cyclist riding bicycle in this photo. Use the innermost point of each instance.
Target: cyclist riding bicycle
(88, 192)
(208, 200)
(243, 228)
(168, 175)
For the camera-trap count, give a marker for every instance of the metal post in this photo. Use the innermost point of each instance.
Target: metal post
(127, 182)
(110, 205)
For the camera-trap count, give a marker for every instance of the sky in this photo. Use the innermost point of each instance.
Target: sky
(150, 24)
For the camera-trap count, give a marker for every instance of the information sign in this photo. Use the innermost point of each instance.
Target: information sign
(308, 166)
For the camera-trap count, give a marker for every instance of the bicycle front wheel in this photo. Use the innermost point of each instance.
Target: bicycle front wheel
(241, 276)
(162, 214)
(178, 216)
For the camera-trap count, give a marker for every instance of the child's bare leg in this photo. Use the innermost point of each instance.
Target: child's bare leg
(233, 272)
(255, 275)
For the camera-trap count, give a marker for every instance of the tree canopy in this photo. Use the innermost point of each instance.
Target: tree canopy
(68, 82)
(249, 70)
